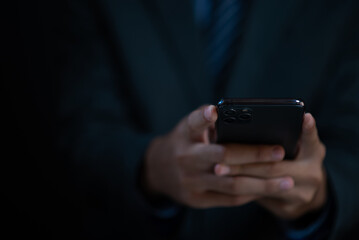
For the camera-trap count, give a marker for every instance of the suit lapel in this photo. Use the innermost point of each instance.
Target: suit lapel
(265, 29)
(180, 35)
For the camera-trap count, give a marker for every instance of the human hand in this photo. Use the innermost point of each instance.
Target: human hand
(306, 176)
(180, 165)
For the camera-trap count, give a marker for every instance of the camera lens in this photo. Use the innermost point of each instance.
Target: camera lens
(229, 119)
(245, 117)
(229, 112)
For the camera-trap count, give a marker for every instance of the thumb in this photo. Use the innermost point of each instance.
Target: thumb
(310, 142)
(200, 120)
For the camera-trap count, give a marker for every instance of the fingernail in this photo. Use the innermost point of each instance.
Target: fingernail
(277, 153)
(286, 184)
(208, 113)
(221, 169)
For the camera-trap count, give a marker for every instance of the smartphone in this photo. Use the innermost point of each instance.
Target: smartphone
(261, 121)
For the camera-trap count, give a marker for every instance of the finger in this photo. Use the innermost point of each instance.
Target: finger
(282, 208)
(259, 170)
(247, 153)
(310, 142)
(214, 199)
(288, 204)
(200, 120)
(248, 186)
(204, 156)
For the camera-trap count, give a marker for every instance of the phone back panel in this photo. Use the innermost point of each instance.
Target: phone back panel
(255, 123)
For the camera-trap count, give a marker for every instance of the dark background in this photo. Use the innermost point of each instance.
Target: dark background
(39, 199)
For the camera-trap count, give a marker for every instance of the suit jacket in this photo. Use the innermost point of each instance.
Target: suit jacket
(132, 69)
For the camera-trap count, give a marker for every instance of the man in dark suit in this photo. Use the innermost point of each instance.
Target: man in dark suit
(129, 122)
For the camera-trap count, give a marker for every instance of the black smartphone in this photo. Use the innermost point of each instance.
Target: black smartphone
(261, 121)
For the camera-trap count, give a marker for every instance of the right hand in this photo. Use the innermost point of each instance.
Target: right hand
(181, 165)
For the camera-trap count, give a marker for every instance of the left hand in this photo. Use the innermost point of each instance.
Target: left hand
(308, 178)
